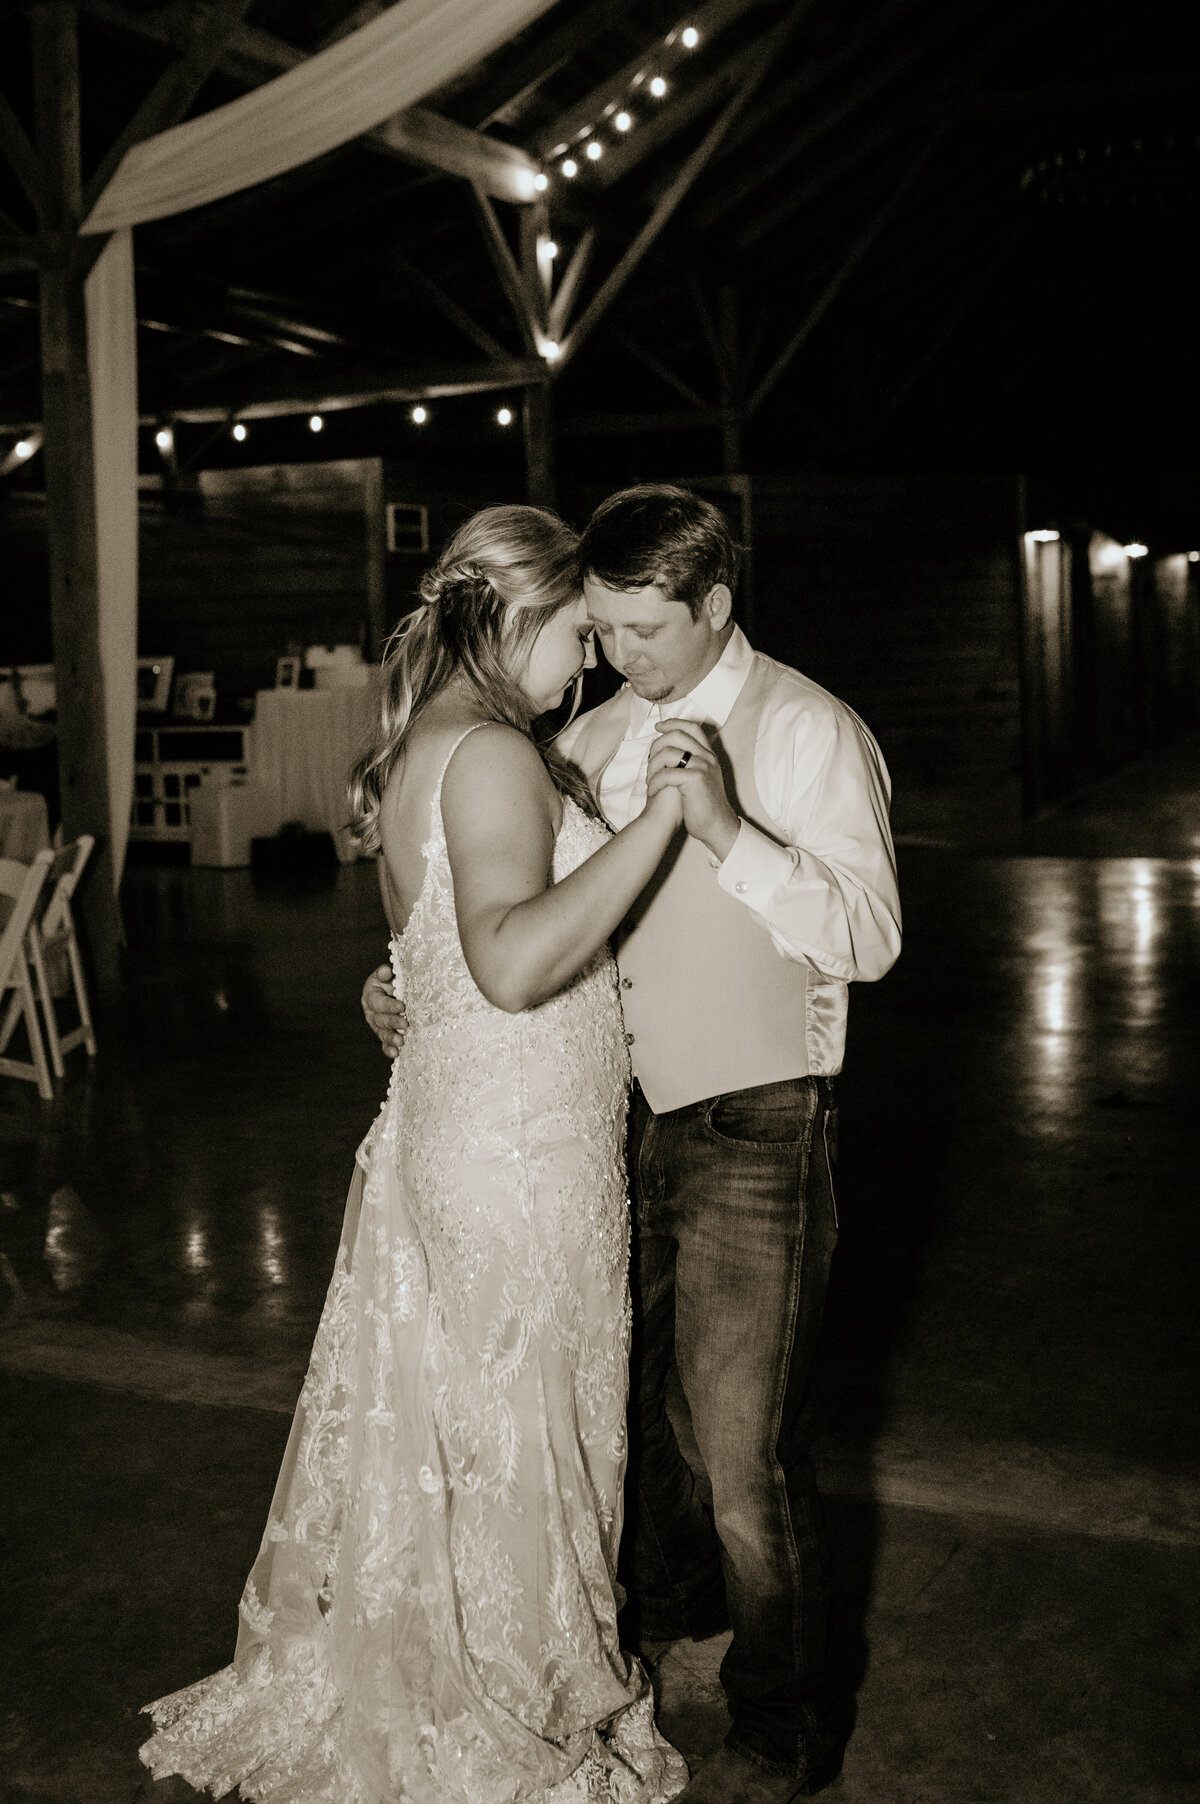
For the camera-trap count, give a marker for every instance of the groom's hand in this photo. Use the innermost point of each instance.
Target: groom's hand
(386, 1017)
(684, 759)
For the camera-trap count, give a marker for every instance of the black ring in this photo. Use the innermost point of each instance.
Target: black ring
(683, 760)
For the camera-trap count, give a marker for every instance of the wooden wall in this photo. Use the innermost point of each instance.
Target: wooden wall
(900, 594)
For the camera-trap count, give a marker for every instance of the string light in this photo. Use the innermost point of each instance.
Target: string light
(504, 417)
(595, 150)
(1136, 549)
(419, 415)
(239, 433)
(570, 168)
(541, 182)
(691, 37)
(23, 448)
(315, 423)
(1193, 556)
(658, 87)
(622, 122)
(164, 438)
(548, 249)
(1045, 535)
(550, 350)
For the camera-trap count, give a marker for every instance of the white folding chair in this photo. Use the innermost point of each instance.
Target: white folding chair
(51, 933)
(21, 884)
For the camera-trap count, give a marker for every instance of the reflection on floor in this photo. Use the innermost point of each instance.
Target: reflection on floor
(1008, 1367)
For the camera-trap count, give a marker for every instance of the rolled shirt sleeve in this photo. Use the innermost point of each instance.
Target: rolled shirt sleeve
(826, 890)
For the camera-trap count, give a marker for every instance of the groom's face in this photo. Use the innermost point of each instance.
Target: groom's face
(654, 642)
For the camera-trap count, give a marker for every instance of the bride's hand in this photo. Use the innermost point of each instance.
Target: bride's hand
(664, 803)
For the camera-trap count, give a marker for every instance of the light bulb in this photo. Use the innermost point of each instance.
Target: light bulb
(595, 150)
(1045, 535)
(622, 122)
(315, 423)
(1136, 549)
(691, 37)
(1194, 557)
(239, 433)
(23, 449)
(164, 438)
(504, 417)
(541, 182)
(549, 249)
(658, 87)
(551, 350)
(419, 415)
(570, 168)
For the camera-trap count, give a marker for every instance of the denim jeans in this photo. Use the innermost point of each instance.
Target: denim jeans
(735, 1226)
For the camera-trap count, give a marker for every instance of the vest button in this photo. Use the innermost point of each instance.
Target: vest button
(627, 983)
(740, 888)
(629, 1039)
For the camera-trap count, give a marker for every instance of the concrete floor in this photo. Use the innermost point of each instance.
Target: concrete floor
(1009, 1366)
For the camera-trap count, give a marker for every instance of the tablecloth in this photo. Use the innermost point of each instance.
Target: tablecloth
(24, 824)
(303, 744)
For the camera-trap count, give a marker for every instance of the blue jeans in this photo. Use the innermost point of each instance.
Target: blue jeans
(735, 1226)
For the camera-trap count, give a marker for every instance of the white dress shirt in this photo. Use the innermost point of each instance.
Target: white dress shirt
(825, 889)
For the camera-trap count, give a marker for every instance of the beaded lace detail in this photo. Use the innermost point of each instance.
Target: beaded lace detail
(432, 1614)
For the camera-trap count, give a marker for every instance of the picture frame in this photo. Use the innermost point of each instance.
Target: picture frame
(195, 695)
(287, 673)
(154, 684)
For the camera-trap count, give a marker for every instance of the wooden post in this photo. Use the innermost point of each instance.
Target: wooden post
(537, 417)
(70, 480)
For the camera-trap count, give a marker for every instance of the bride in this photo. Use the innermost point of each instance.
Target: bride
(432, 1614)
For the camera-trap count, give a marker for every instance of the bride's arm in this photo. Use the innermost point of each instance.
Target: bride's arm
(524, 938)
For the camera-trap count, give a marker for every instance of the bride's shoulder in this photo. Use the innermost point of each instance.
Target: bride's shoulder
(488, 757)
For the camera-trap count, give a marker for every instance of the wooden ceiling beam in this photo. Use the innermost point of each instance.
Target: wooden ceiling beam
(449, 308)
(525, 306)
(766, 159)
(24, 161)
(514, 81)
(669, 201)
(662, 370)
(846, 268)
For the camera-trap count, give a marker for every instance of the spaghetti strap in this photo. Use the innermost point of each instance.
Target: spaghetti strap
(437, 794)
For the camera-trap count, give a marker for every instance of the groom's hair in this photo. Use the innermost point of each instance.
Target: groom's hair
(660, 536)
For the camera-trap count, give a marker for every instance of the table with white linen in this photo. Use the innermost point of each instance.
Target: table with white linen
(24, 824)
(303, 744)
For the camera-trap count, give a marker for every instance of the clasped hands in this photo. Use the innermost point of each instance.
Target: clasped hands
(707, 815)
(683, 759)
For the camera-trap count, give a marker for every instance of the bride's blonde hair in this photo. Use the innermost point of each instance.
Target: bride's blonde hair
(503, 575)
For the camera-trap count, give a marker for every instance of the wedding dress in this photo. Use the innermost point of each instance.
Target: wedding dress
(432, 1614)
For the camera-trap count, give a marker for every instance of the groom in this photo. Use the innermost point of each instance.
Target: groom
(734, 969)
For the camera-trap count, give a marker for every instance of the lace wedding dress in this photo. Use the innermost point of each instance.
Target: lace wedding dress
(432, 1614)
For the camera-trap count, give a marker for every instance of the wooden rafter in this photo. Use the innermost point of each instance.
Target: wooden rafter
(23, 158)
(670, 200)
(447, 306)
(524, 304)
(662, 370)
(658, 58)
(548, 52)
(847, 266)
(563, 300)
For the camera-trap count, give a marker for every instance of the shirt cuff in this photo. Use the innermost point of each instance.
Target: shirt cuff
(756, 868)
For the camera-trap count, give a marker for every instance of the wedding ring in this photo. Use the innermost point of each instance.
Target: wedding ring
(683, 761)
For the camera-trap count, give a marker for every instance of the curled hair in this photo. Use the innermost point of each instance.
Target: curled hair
(663, 537)
(503, 575)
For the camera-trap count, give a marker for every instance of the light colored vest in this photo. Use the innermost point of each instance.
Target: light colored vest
(710, 1005)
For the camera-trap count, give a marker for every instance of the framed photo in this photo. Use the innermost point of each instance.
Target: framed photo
(407, 526)
(287, 673)
(154, 684)
(195, 695)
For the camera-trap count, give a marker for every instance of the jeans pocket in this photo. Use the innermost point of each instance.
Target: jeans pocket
(768, 1115)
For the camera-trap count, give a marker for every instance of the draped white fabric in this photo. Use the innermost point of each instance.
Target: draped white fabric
(387, 65)
(112, 370)
(342, 92)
